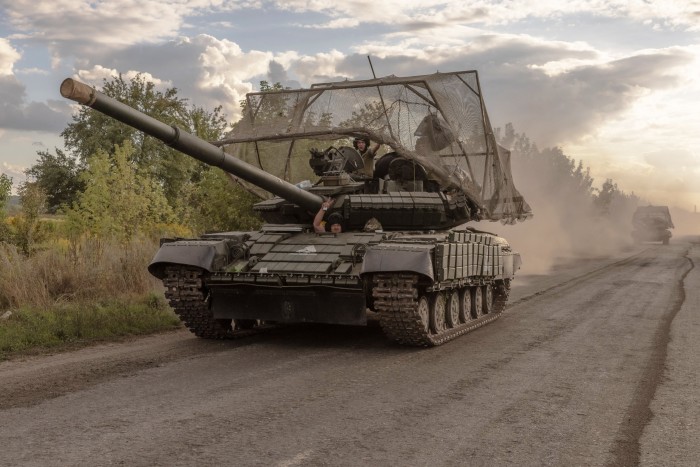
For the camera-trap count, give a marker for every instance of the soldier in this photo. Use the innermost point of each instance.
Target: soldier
(334, 223)
(361, 143)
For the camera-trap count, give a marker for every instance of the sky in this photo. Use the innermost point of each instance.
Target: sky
(615, 84)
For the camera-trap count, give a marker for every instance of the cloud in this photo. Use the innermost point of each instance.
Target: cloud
(8, 57)
(558, 92)
(573, 104)
(208, 71)
(554, 91)
(416, 15)
(16, 113)
(65, 25)
(571, 87)
(682, 160)
(98, 74)
(212, 72)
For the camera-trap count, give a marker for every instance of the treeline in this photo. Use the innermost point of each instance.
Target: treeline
(112, 181)
(74, 255)
(114, 185)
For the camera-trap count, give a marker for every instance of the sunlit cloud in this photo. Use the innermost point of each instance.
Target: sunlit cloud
(8, 57)
(98, 74)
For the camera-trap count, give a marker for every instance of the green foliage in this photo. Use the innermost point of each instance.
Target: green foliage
(118, 201)
(67, 324)
(268, 109)
(59, 176)
(86, 269)
(86, 290)
(5, 191)
(218, 203)
(28, 224)
(92, 132)
(371, 114)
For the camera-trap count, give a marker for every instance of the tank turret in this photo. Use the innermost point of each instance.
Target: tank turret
(404, 255)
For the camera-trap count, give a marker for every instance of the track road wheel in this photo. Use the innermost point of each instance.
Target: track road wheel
(465, 305)
(424, 311)
(487, 304)
(437, 313)
(477, 302)
(452, 309)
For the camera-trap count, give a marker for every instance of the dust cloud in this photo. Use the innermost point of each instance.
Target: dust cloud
(560, 231)
(566, 223)
(686, 223)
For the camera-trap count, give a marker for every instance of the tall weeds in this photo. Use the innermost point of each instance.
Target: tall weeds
(74, 293)
(83, 270)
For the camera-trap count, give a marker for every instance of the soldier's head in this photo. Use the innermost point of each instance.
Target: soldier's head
(361, 143)
(334, 223)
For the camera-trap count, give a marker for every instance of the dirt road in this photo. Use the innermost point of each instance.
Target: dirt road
(595, 364)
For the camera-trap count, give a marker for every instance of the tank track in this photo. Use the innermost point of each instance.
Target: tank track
(396, 299)
(186, 295)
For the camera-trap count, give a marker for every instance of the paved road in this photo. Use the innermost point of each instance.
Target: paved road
(595, 364)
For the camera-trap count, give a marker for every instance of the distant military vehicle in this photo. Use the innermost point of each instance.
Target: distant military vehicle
(405, 251)
(651, 224)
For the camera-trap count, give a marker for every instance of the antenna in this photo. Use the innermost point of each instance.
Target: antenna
(381, 98)
(371, 67)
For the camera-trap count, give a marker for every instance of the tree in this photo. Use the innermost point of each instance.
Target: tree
(93, 132)
(118, 202)
(221, 204)
(268, 108)
(27, 225)
(5, 191)
(59, 177)
(191, 188)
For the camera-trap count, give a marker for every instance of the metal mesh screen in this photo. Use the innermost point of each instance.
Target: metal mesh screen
(436, 120)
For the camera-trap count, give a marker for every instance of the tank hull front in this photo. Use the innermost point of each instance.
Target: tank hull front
(290, 304)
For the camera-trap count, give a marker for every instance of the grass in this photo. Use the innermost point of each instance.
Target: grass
(67, 325)
(75, 293)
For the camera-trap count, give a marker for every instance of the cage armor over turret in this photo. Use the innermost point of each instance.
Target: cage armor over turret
(405, 255)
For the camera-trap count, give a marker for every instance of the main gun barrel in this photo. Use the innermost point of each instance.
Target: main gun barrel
(188, 144)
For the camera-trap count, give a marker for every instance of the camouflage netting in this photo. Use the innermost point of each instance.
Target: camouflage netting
(436, 120)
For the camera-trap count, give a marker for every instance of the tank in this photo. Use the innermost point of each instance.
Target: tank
(407, 254)
(652, 224)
